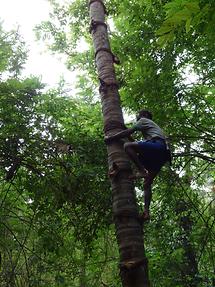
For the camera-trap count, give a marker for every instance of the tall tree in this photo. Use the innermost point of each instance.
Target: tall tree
(133, 262)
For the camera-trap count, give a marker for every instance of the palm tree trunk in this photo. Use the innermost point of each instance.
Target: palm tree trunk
(133, 262)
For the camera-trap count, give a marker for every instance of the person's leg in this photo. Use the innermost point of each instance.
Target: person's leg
(132, 149)
(148, 193)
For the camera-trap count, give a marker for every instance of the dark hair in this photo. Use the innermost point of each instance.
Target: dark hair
(145, 114)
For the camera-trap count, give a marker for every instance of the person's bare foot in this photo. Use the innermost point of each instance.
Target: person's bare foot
(114, 170)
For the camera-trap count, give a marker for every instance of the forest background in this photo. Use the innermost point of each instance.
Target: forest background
(56, 225)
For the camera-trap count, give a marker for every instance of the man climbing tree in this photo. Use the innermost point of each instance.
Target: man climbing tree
(148, 155)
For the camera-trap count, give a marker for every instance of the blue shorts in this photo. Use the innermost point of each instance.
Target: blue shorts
(154, 154)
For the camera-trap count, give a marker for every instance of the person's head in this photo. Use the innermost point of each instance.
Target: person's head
(144, 114)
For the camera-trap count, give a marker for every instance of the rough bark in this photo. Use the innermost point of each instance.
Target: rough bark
(129, 233)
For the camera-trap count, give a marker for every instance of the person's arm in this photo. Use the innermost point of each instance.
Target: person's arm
(122, 134)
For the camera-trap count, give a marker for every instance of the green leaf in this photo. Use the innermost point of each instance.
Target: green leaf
(188, 25)
(162, 40)
(165, 29)
(193, 6)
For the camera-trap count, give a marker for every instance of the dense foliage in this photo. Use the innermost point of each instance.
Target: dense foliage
(55, 216)
(54, 194)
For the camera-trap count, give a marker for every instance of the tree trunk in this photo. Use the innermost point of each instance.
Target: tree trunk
(133, 262)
